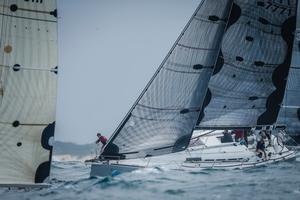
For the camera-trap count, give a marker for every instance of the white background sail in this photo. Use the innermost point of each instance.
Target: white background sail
(290, 108)
(248, 85)
(28, 63)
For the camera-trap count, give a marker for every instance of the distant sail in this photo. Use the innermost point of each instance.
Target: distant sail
(28, 74)
(248, 84)
(290, 109)
(162, 119)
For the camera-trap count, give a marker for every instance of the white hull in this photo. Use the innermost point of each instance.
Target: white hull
(168, 162)
(230, 164)
(212, 155)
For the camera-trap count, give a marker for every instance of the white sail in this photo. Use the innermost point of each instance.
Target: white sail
(28, 73)
(290, 110)
(163, 117)
(248, 86)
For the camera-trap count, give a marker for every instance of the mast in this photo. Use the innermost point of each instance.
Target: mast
(28, 74)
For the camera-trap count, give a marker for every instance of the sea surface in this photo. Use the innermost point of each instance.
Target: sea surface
(70, 180)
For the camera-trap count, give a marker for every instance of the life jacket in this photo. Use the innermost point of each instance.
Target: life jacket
(103, 139)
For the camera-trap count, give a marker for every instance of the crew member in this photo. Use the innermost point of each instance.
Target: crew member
(101, 139)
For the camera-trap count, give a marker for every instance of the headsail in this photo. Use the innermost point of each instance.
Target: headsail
(248, 86)
(290, 108)
(162, 119)
(28, 73)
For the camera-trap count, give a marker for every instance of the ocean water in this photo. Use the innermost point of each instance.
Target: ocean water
(70, 180)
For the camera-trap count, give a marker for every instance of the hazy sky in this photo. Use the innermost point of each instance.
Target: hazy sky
(108, 51)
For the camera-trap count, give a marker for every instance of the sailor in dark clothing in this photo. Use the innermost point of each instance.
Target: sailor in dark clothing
(260, 146)
(101, 139)
(268, 134)
(226, 137)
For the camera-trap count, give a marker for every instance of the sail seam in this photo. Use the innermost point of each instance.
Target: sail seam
(183, 72)
(24, 124)
(29, 18)
(221, 21)
(196, 48)
(155, 108)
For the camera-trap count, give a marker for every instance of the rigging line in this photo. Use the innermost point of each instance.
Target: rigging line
(154, 76)
(29, 18)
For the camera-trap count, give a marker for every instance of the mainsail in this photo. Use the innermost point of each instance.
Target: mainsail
(248, 86)
(162, 119)
(290, 108)
(28, 73)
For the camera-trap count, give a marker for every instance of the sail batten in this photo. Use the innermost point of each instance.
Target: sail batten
(163, 117)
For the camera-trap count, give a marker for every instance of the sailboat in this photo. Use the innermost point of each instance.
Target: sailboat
(28, 74)
(228, 69)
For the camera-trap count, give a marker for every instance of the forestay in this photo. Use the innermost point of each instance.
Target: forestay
(162, 119)
(248, 84)
(28, 73)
